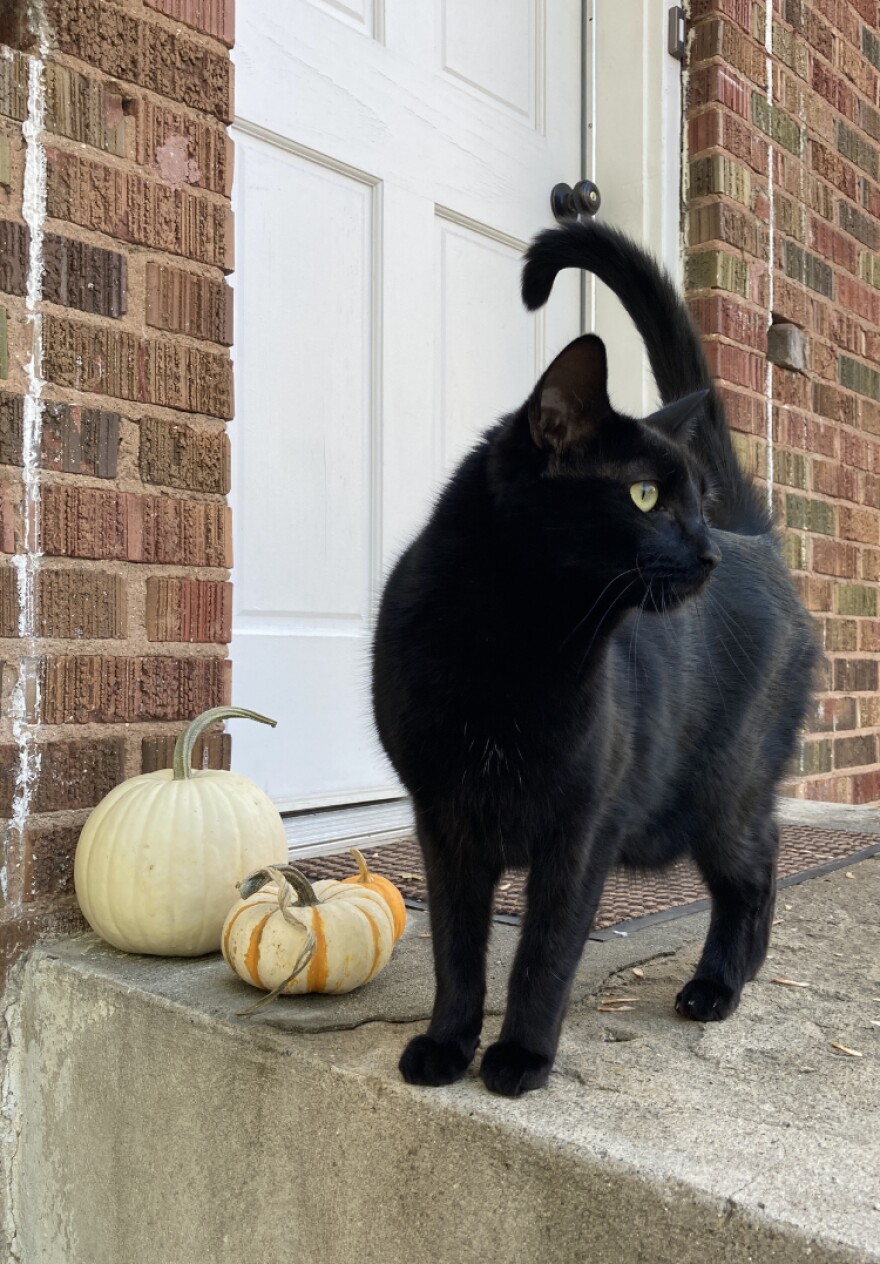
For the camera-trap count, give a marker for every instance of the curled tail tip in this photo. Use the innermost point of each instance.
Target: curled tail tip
(538, 275)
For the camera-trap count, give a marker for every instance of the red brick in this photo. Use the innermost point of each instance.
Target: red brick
(858, 70)
(86, 522)
(107, 361)
(716, 38)
(143, 52)
(816, 594)
(830, 790)
(736, 365)
(84, 109)
(866, 787)
(717, 83)
(739, 10)
(859, 298)
(181, 456)
(721, 315)
(130, 207)
(833, 245)
(90, 689)
(833, 168)
(869, 637)
(189, 610)
(212, 17)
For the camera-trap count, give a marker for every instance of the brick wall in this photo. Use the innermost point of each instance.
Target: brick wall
(115, 386)
(814, 426)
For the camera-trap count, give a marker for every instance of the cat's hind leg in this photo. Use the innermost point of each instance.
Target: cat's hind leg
(742, 883)
(461, 882)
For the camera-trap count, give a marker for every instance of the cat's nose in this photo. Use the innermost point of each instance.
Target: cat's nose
(709, 554)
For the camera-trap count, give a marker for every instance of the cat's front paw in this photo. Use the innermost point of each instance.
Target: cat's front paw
(509, 1069)
(432, 1062)
(706, 1001)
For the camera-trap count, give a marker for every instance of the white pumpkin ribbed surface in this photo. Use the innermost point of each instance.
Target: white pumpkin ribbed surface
(158, 859)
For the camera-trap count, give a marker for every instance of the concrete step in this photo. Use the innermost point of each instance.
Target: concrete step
(145, 1122)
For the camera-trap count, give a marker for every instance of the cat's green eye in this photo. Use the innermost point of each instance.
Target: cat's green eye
(645, 495)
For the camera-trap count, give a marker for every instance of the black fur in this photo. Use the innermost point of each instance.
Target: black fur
(565, 682)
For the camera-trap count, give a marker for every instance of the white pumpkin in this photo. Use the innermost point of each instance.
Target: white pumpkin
(159, 859)
(335, 938)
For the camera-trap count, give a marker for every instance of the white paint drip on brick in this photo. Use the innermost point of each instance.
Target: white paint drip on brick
(25, 693)
(771, 248)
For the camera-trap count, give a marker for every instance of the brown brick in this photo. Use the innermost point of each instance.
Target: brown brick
(720, 222)
(807, 269)
(191, 149)
(722, 39)
(13, 85)
(869, 639)
(189, 610)
(10, 502)
(776, 124)
(863, 227)
(9, 602)
(143, 52)
(84, 109)
(5, 169)
(833, 715)
(858, 524)
(91, 689)
(830, 557)
(840, 635)
(4, 345)
(852, 144)
(855, 675)
(75, 604)
(86, 522)
(213, 17)
(48, 861)
(869, 712)
(86, 277)
(739, 11)
(185, 303)
(13, 256)
(73, 439)
(715, 269)
(152, 371)
(71, 775)
(805, 514)
(21, 931)
(181, 456)
(718, 174)
(212, 750)
(133, 208)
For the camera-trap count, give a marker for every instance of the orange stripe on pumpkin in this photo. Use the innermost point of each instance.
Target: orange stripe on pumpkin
(227, 936)
(252, 956)
(319, 967)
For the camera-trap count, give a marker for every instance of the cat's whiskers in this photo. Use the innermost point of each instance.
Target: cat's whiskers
(580, 623)
(621, 594)
(698, 608)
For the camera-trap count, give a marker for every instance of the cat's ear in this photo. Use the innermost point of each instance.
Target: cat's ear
(677, 420)
(572, 397)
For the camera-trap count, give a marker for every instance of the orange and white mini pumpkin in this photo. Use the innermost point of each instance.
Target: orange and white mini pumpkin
(376, 882)
(334, 938)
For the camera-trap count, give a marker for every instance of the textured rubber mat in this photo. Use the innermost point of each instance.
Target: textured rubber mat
(627, 895)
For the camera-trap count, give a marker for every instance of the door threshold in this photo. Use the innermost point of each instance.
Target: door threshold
(334, 830)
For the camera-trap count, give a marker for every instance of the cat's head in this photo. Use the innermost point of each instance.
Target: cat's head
(615, 495)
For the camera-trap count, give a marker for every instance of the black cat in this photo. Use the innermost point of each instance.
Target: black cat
(593, 654)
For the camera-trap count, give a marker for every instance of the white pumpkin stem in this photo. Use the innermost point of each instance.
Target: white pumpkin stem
(183, 747)
(255, 881)
(364, 872)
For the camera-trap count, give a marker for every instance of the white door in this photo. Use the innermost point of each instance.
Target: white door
(392, 161)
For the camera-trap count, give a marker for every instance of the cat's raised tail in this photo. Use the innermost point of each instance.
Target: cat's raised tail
(675, 351)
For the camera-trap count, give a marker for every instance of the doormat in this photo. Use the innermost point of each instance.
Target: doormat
(805, 851)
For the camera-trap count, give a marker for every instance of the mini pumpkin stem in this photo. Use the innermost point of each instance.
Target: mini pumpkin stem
(363, 868)
(183, 747)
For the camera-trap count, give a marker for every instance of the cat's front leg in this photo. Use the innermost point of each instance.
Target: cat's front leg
(461, 881)
(562, 902)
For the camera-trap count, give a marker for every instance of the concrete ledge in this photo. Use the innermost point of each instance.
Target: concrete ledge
(145, 1123)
